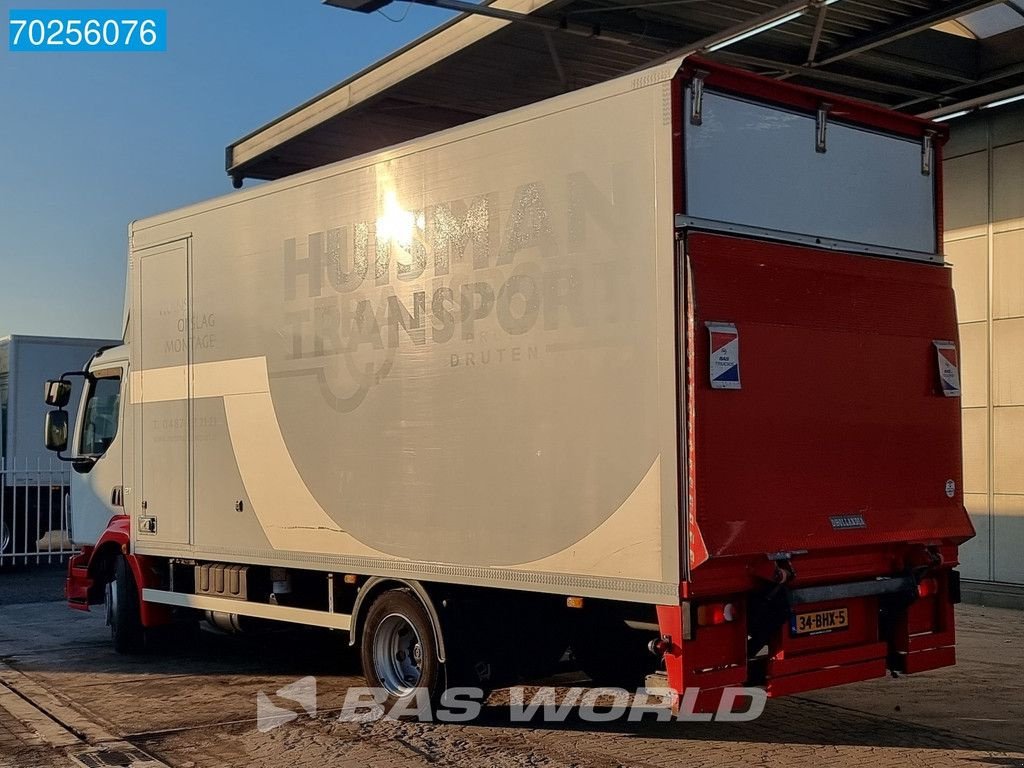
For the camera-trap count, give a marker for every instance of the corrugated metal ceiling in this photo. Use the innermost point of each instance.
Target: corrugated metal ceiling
(883, 51)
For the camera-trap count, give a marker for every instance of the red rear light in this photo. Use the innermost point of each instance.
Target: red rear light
(715, 613)
(927, 587)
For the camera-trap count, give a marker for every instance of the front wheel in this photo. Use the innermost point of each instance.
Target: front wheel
(399, 650)
(123, 614)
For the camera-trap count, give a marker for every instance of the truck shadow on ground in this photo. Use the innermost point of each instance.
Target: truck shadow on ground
(240, 666)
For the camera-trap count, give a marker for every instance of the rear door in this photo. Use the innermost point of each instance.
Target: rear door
(819, 418)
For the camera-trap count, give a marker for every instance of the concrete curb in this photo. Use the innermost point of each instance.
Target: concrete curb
(992, 595)
(54, 724)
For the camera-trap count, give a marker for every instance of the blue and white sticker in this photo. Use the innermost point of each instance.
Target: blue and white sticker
(949, 368)
(725, 355)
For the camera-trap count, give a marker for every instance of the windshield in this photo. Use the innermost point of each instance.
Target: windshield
(99, 422)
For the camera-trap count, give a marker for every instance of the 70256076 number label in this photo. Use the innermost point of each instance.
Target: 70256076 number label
(87, 30)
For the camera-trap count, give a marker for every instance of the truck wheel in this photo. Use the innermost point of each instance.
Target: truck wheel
(399, 650)
(123, 617)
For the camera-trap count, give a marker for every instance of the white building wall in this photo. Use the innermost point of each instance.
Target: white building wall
(984, 221)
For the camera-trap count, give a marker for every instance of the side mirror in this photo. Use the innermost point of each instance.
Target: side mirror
(56, 431)
(58, 393)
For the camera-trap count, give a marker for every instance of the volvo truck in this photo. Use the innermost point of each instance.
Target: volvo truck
(660, 375)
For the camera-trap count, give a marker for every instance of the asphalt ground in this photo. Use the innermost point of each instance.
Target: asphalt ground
(67, 699)
(31, 583)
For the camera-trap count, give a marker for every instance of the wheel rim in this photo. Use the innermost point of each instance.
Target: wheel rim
(5, 537)
(397, 655)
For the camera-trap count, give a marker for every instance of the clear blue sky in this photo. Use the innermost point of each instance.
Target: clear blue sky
(90, 141)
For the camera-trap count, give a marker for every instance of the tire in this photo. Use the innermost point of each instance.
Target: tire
(126, 630)
(398, 650)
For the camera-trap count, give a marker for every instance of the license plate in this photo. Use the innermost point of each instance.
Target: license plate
(818, 622)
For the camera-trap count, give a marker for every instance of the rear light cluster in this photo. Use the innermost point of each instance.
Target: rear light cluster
(712, 614)
(927, 587)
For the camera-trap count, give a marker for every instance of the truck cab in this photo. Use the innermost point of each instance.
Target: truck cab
(97, 448)
(102, 431)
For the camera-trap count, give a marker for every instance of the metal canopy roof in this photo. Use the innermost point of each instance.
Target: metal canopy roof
(919, 56)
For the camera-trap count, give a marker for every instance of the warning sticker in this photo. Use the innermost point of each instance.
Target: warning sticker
(949, 368)
(725, 355)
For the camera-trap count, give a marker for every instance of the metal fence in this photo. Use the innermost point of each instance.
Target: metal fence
(34, 512)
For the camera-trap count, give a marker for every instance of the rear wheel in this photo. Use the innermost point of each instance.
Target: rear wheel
(123, 614)
(399, 649)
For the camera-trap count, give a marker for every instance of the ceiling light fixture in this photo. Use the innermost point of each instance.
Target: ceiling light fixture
(754, 31)
(744, 34)
(1007, 100)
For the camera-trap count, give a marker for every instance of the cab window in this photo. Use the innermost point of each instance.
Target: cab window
(99, 420)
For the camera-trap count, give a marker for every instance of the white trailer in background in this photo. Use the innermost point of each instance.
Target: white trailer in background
(32, 484)
(26, 362)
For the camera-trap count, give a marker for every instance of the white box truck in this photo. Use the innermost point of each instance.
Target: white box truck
(32, 484)
(662, 371)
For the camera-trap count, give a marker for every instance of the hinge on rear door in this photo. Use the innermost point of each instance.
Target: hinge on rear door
(697, 96)
(927, 152)
(821, 128)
